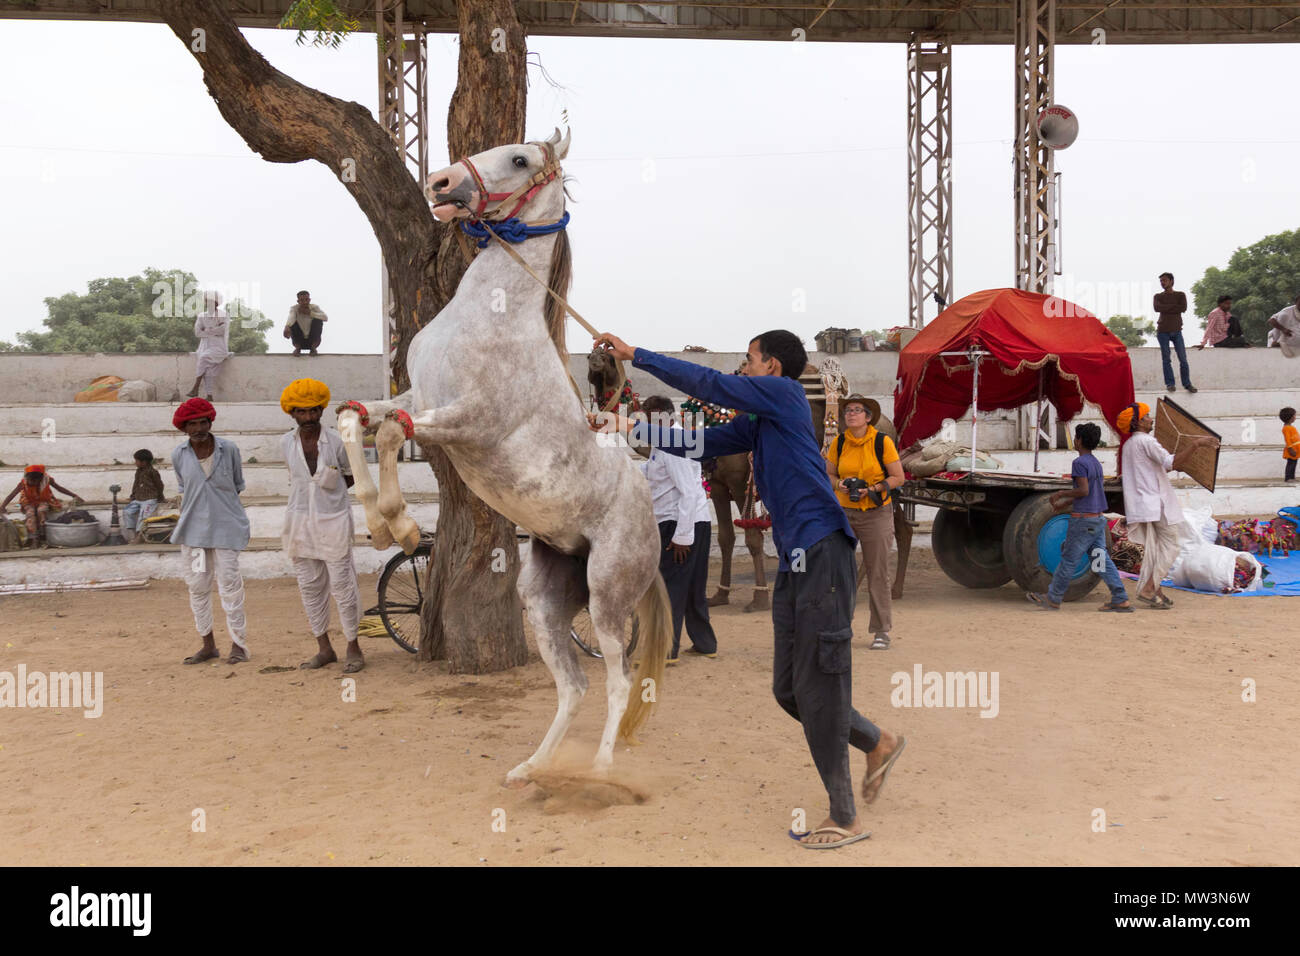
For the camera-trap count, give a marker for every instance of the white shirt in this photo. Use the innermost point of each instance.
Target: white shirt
(1148, 493)
(318, 517)
(1289, 319)
(678, 493)
(304, 321)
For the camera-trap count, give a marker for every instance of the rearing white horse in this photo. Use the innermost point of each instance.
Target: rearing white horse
(522, 444)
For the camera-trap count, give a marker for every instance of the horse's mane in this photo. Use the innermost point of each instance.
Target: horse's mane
(559, 279)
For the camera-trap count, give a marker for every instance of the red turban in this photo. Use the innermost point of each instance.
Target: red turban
(193, 408)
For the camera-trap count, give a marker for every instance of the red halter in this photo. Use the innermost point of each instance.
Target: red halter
(523, 194)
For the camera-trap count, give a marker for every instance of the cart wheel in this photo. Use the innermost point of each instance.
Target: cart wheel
(584, 635)
(401, 592)
(1032, 543)
(968, 547)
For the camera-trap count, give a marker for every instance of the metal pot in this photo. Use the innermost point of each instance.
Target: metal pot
(73, 535)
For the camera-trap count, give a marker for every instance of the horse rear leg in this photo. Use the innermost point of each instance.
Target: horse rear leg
(349, 423)
(623, 576)
(552, 588)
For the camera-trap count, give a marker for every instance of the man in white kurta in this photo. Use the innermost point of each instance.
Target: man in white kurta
(1151, 508)
(318, 528)
(1284, 329)
(213, 331)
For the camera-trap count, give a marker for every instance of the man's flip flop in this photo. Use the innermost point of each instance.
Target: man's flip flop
(1112, 606)
(848, 838)
(883, 772)
(1154, 604)
(353, 665)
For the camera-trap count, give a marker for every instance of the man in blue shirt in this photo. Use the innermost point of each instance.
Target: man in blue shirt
(1087, 528)
(812, 604)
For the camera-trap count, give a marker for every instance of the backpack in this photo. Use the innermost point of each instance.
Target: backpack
(879, 448)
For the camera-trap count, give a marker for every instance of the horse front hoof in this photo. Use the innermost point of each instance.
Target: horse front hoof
(520, 777)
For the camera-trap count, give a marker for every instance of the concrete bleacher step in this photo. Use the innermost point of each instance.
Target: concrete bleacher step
(100, 418)
(93, 481)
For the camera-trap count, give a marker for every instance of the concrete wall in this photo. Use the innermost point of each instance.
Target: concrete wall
(55, 378)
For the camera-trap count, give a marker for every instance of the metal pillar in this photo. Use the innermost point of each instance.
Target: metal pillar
(404, 113)
(1034, 186)
(929, 175)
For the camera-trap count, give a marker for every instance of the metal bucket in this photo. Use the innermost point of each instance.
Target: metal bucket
(73, 535)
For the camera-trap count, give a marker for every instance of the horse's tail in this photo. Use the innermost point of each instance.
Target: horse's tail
(654, 616)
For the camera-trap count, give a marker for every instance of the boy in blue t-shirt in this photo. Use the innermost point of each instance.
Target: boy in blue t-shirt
(1087, 532)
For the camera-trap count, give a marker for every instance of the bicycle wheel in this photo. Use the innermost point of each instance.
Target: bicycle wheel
(584, 635)
(401, 592)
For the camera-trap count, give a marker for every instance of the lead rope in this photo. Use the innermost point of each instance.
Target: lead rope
(622, 377)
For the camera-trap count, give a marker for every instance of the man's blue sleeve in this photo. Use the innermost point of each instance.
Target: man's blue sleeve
(733, 438)
(764, 395)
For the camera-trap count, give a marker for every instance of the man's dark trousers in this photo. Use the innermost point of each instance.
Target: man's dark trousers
(812, 618)
(686, 584)
(309, 341)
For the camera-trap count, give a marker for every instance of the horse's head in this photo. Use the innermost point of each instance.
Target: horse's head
(521, 180)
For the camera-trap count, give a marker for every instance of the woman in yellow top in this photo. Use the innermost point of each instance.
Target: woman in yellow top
(863, 465)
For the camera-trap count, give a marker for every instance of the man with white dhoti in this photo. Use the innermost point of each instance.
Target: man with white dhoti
(1151, 509)
(212, 527)
(318, 522)
(1284, 328)
(213, 331)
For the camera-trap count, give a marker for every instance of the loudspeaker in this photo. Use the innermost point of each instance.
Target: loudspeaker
(1058, 127)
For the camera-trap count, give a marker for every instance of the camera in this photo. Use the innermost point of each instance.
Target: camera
(857, 487)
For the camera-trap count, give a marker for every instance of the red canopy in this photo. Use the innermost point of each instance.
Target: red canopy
(1082, 360)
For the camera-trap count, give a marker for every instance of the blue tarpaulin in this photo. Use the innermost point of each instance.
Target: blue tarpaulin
(1283, 575)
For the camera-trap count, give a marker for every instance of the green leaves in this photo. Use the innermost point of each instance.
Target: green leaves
(1132, 332)
(152, 312)
(326, 19)
(1262, 279)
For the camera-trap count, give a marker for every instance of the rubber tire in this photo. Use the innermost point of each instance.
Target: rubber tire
(397, 564)
(1020, 546)
(972, 560)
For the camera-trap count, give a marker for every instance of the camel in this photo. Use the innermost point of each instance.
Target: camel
(593, 538)
(728, 482)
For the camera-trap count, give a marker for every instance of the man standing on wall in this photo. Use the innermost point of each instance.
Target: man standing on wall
(1170, 305)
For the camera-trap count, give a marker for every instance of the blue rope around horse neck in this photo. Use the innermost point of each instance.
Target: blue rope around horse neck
(511, 230)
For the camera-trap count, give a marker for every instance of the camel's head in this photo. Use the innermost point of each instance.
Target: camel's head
(600, 362)
(520, 180)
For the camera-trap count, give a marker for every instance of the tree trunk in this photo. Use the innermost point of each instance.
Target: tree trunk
(471, 614)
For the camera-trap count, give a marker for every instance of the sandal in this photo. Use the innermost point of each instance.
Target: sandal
(1154, 604)
(1112, 606)
(1042, 600)
(880, 642)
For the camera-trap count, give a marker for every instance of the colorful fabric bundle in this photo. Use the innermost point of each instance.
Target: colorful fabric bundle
(1260, 536)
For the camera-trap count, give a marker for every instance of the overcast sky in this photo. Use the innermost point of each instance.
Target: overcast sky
(716, 182)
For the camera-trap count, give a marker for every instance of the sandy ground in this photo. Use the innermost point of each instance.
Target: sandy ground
(1140, 716)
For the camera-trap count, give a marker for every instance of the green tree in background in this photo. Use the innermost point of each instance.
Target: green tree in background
(1261, 279)
(1132, 332)
(152, 312)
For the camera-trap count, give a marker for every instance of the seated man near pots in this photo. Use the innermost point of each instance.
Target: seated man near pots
(36, 491)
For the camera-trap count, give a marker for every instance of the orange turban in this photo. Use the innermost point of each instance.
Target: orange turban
(1127, 420)
(34, 470)
(304, 393)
